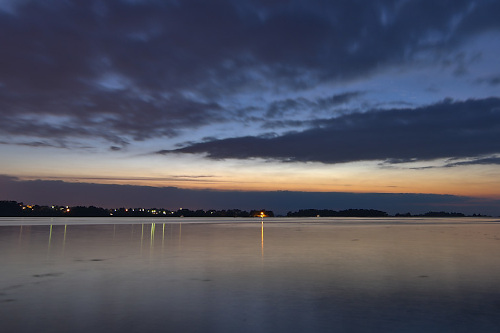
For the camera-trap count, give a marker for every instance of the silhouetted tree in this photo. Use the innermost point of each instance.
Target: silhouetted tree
(90, 211)
(11, 208)
(342, 213)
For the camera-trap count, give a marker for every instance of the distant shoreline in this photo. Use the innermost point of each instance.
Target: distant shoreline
(19, 209)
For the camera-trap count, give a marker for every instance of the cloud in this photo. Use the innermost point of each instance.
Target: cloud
(491, 160)
(281, 108)
(125, 71)
(447, 129)
(47, 192)
(493, 80)
(31, 144)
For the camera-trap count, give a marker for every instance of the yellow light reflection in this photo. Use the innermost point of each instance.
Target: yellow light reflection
(262, 237)
(163, 236)
(142, 235)
(64, 238)
(180, 231)
(153, 227)
(50, 240)
(50, 235)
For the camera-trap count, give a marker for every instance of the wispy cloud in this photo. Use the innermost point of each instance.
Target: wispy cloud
(445, 130)
(490, 160)
(493, 80)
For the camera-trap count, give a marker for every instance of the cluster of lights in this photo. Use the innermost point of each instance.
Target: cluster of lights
(64, 209)
(151, 211)
(112, 212)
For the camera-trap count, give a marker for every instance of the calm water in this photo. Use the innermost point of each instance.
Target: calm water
(238, 275)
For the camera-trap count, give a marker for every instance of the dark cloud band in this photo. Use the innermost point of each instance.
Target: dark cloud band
(444, 130)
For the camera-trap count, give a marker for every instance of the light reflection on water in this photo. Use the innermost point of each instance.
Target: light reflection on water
(232, 275)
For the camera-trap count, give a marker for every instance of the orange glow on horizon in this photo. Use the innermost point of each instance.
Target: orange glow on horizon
(475, 181)
(465, 188)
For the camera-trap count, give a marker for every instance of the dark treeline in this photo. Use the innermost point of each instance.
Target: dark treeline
(370, 213)
(440, 214)
(14, 208)
(341, 213)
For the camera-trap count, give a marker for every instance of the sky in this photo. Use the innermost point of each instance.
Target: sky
(222, 104)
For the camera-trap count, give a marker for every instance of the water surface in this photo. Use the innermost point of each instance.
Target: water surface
(239, 275)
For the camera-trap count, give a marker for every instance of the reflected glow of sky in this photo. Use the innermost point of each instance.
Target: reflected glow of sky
(231, 275)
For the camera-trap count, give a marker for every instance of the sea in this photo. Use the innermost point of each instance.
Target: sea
(249, 275)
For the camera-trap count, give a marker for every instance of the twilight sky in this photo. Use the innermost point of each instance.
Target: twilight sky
(318, 100)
